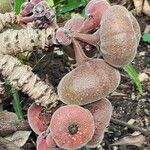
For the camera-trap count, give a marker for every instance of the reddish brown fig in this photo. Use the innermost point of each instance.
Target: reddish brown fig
(119, 36)
(41, 142)
(97, 142)
(136, 28)
(91, 81)
(38, 118)
(72, 127)
(62, 36)
(94, 11)
(101, 111)
(26, 9)
(36, 1)
(74, 23)
(51, 143)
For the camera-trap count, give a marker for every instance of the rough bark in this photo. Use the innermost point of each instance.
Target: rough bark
(7, 19)
(22, 78)
(14, 41)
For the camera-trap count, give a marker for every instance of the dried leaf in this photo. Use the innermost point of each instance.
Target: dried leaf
(136, 140)
(131, 121)
(138, 5)
(7, 145)
(19, 138)
(146, 8)
(143, 77)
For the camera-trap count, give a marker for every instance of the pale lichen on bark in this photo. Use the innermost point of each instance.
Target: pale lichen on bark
(7, 19)
(19, 75)
(28, 39)
(22, 78)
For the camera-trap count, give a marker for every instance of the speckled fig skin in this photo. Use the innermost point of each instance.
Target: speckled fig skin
(38, 118)
(51, 143)
(136, 28)
(72, 127)
(101, 111)
(118, 36)
(74, 23)
(41, 142)
(92, 80)
(97, 141)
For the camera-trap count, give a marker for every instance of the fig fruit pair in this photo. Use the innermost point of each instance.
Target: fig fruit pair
(73, 127)
(92, 80)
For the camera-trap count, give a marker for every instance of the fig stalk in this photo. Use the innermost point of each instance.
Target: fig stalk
(92, 39)
(79, 53)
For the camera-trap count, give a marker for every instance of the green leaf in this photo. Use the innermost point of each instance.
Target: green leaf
(130, 69)
(18, 4)
(16, 101)
(50, 2)
(71, 5)
(146, 37)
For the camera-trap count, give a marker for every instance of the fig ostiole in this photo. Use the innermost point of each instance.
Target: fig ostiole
(72, 127)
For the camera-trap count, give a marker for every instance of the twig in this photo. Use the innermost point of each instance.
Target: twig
(143, 131)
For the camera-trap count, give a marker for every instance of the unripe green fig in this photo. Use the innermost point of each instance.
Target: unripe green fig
(119, 36)
(6, 6)
(92, 80)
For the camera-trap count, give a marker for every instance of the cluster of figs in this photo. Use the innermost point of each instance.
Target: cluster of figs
(86, 112)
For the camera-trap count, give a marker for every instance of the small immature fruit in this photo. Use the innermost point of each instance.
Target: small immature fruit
(94, 11)
(51, 143)
(72, 127)
(74, 23)
(41, 142)
(43, 14)
(26, 9)
(119, 36)
(38, 118)
(39, 10)
(101, 111)
(92, 80)
(62, 36)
